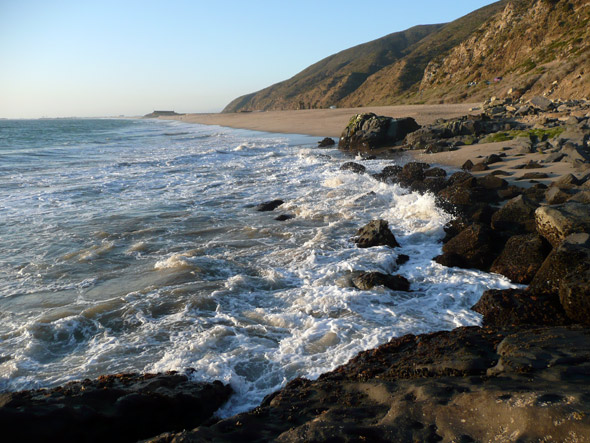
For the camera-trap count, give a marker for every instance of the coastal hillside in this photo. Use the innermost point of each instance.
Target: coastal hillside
(531, 46)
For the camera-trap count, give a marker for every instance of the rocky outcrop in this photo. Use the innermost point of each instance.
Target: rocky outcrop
(469, 384)
(555, 223)
(115, 408)
(517, 307)
(353, 167)
(365, 132)
(326, 142)
(516, 216)
(471, 248)
(375, 233)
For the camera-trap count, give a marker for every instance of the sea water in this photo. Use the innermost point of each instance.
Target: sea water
(134, 245)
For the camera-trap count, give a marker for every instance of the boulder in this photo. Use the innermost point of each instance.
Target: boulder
(375, 233)
(326, 142)
(574, 294)
(369, 131)
(542, 103)
(368, 280)
(269, 205)
(353, 167)
(473, 247)
(516, 216)
(467, 166)
(571, 255)
(491, 182)
(491, 159)
(556, 196)
(515, 307)
(388, 174)
(117, 408)
(411, 172)
(555, 223)
(284, 217)
(521, 258)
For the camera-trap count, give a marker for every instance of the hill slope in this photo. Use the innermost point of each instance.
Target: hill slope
(531, 44)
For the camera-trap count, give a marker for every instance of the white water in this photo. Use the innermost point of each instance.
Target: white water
(135, 246)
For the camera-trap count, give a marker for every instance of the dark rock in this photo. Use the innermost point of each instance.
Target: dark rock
(492, 182)
(567, 181)
(474, 245)
(353, 167)
(326, 142)
(516, 216)
(123, 407)
(509, 193)
(435, 172)
(467, 166)
(388, 174)
(515, 307)
(478, 167)
(574, 294)
(499, 172)
(451, 260)
(555, 223)
(535, 193)
(533, 176)
(571, 255)
(375, 233)
(521, 258)
(555, 157)
(369, 131)
(269, 205)
(411, 172)
(401, 259)
(368, 280)
(491, 159)
(284, 217)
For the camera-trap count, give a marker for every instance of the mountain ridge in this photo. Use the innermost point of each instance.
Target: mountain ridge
(513, 40)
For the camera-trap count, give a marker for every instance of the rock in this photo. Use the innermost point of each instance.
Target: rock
(555, 223)
(523, 110)
(573, 253)
(515, 307)
(388, 174)
(353, 167)
(556, 196)
(369, 131)
(435, 172)
(269, 205)
(467, 165)
(575, 153)
(533, 176)
(465, 385)
(555, 157)
(568, 180)
(516, 216)
(368, 280)
(401, 259)
(478, 167)
(536, 193)
(123, 407)
(574, 294)
(375, 233)
(581, 197)
(491, 182)
(521, 258)
(412, 172)
(491, 159)
(284, 217)
(533, 165)
(542, 103)
(473, 245)
(326, 142)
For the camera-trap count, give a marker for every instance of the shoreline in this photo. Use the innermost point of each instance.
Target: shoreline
(322, 122)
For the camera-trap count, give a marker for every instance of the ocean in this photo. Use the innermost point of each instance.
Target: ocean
(134, 245)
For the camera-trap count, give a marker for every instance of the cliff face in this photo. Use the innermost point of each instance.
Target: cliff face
(534, 46)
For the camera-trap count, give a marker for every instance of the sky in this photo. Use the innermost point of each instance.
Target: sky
(87, 58)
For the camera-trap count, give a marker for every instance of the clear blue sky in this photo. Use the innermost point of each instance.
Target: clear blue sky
(90, 58)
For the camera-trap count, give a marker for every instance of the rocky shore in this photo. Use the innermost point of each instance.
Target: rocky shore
(523, 376)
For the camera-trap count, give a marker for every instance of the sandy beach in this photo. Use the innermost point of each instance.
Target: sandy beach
(323, 122)
(331, 122)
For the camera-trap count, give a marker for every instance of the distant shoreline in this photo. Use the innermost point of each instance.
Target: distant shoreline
(323, 122)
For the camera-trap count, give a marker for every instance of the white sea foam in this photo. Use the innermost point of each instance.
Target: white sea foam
(166, 264)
